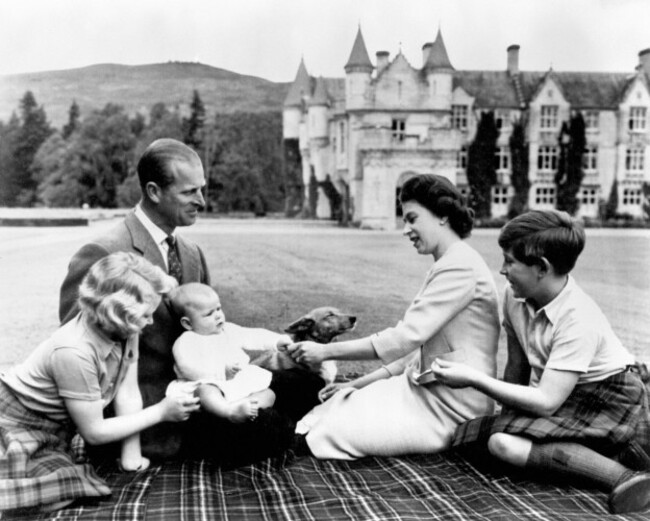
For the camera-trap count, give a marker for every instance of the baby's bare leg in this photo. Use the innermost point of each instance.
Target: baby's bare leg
(265, 398)
(214, 402)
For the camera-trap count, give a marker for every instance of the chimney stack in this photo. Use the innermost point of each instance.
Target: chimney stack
(644, 61)
(513, 59)
(426, 48)
(382, 61)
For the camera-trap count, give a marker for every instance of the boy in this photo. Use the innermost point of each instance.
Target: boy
(211, 350)
(572, 400)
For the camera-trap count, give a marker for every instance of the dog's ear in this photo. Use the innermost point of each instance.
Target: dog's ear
(301, 325)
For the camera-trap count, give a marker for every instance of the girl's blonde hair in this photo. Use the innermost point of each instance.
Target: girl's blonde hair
(119, 289)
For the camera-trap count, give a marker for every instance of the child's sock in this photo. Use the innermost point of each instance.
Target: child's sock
(576, 461)
(629, 491)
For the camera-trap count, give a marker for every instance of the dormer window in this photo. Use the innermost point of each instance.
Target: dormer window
(502, 118)
(549, 116)
(459, 117)
(591, 118)
(637, 121)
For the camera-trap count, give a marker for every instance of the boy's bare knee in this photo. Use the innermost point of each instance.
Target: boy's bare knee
(512, 449)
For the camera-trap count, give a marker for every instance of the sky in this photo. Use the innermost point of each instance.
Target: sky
(268, 38)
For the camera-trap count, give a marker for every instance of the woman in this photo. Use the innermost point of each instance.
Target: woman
(66, 382)
(400, 408)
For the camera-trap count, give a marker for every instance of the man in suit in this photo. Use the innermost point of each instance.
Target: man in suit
(171, 178)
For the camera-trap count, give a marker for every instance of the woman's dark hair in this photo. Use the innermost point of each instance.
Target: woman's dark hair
(438, 195)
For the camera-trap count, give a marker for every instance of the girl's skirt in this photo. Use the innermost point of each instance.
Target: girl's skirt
(36, 467)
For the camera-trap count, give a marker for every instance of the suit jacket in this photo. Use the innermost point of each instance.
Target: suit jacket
(156, 363)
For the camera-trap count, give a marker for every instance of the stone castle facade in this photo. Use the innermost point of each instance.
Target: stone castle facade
(365, 134)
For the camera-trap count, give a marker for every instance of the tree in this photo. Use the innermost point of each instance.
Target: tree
(9, 187)
(569, 175)
(645, 191)
(73, 120)
(481, 165)
(611, 206)
(92, 164)
(193, 126)
(519, 177)
(34, 130)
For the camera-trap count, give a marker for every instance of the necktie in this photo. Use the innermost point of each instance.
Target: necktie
(173, 262)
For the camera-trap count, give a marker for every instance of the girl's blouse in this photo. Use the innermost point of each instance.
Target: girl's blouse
(76, 362)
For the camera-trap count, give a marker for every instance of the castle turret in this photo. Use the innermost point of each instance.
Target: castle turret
(318, 105)
(358, 71)
(299, 91)
(440, 74)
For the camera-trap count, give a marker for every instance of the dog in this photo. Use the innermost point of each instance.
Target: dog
(320, 325)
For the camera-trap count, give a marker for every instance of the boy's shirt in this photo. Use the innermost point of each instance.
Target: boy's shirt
(570, 333)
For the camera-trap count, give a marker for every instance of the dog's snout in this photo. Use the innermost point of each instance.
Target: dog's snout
(353, 320)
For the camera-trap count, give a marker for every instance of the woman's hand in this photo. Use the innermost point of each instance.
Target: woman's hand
(177, 408)
(330, 390)
(307, 352)
(454, 374)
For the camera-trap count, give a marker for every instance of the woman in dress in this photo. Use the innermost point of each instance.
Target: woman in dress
(400, 408)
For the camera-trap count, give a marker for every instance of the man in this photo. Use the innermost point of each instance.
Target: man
(171, 178)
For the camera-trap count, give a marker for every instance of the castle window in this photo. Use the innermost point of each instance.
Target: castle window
(545, 195)
(591, 118)
(549, 116)
(588, 196)
(637, 121)
(461, 158)
(459, 117)
(590, 158)
(398, 127)
(634, 159)
(502, 157)
(631, 196)
(342, 137)
(500, 194)
(547, 158)
(502, 118)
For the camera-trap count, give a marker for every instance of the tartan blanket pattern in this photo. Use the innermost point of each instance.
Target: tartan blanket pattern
(433, 487)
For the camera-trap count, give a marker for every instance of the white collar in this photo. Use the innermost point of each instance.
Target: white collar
(157, 234)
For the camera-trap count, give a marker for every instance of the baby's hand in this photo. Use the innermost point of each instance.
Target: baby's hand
(232, 370)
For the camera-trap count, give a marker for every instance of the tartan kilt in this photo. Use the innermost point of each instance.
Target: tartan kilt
(36, 466)
(605, 416)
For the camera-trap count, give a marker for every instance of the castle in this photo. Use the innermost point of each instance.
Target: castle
(360, 137)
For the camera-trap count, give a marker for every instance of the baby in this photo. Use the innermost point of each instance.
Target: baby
(212, 352)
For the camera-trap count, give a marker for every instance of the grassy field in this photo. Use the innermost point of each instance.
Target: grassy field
(271, 272)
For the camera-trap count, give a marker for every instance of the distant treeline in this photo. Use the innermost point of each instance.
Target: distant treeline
(92, 159)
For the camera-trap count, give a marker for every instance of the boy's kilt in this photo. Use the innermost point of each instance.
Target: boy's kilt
(605, 416)
(36, 467)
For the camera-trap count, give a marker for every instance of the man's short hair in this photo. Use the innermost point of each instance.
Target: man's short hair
(551, 234)
(158, 156)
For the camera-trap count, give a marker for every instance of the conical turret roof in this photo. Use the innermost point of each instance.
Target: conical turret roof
(359, 58)
(320, 97)
(438, 57)
(300, 87)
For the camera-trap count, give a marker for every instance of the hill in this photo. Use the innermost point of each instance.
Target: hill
(138, 87)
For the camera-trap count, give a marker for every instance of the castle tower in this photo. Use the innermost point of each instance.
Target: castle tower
(318, 105)
(358, 71)
(299, 91)
(440, 73)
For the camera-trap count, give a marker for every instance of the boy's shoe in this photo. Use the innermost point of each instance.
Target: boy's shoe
(632, 494)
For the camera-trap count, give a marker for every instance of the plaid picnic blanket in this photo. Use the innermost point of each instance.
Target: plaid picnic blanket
(442, 486)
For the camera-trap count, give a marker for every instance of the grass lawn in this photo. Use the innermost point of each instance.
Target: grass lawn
(269, 273)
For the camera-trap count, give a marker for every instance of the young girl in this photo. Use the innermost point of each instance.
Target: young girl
(67, 381)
